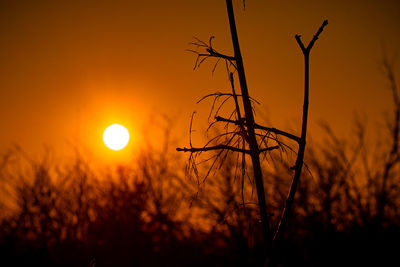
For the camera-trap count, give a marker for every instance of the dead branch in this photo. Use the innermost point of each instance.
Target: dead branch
(257, 126)
(302, 141)
(252, 141)
(219, 94)
(210, 53)
(311, 43)
(219, 147)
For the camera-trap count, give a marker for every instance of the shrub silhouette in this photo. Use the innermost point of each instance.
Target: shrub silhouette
(73, 215)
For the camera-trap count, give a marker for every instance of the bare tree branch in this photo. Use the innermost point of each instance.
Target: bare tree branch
(257, 126)
(211, 53)
(219, 147)
(311, 43)
(302, 141)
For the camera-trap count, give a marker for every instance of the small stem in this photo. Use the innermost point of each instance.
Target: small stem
(302, 142)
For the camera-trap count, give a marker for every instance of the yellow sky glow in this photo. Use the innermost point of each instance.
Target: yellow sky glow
(71, 68)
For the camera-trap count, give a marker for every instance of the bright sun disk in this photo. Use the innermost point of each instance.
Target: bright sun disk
(116, 137)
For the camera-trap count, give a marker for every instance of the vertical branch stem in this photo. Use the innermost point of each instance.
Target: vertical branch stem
(302, 143)
(300, 154)
(252, 141)
(238, 113)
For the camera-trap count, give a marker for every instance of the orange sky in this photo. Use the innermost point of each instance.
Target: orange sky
(70, 68)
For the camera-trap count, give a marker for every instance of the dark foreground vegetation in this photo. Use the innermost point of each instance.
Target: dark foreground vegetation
(152, 213)
(346, 211)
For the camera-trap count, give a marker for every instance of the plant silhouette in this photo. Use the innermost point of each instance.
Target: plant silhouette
(249, 138)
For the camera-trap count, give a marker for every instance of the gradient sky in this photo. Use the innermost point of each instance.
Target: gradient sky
(70, 68)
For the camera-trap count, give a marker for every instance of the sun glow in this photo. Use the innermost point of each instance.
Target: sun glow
(116, 137)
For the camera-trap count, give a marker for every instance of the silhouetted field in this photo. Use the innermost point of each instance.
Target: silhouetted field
(346, 211)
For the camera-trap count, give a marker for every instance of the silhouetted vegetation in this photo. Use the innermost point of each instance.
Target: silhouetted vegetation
(152, 213)
(247, 138)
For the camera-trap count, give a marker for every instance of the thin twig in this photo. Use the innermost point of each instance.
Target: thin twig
(257, 126)
(218, 147)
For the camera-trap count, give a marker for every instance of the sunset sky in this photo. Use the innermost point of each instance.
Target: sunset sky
(68, 69)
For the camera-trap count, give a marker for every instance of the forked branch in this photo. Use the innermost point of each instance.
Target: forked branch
(306, 50)
(302, 141)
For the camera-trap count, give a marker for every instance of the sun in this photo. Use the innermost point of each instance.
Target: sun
(116, 137)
